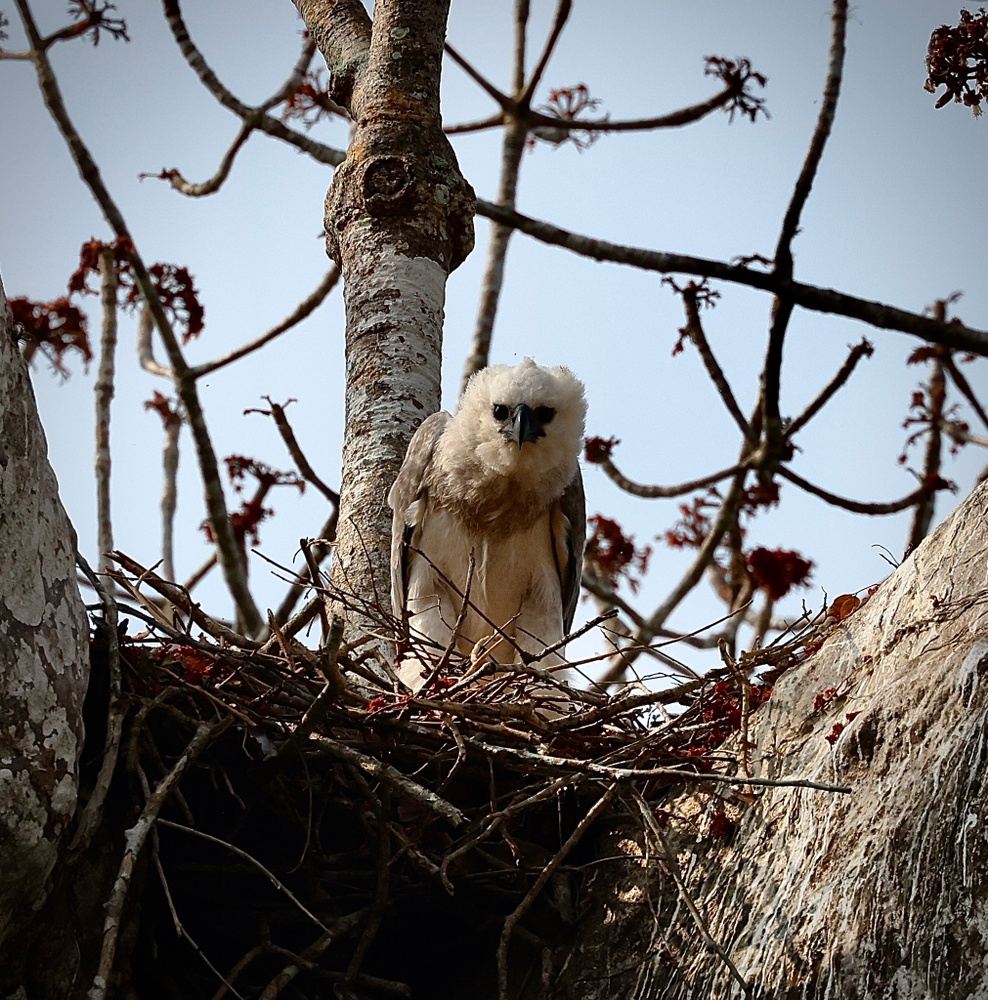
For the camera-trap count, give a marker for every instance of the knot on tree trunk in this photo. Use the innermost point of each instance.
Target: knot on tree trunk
(387, 184)
(418, 191)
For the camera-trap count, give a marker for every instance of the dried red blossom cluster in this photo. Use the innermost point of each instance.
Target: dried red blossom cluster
(177, 291)
(239, 467)
(163, 406)
(246, 521)
(738, 73)
(567, 104)
(57, 326)
(94, 18)
(174, 284)
(694, 521)
(777, 571)
(957, 59)
(613, 555)
(839, 727)
(310, 102)
(598, 449)
(723, 713)
(53, 328)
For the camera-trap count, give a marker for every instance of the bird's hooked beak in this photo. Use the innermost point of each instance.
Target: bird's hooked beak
(524, 426)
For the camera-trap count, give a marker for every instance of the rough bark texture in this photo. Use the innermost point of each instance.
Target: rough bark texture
(399, 218)
(879, 893)
(43, 650)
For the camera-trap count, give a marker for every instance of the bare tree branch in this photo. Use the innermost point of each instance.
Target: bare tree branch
(515, 137)
(199, 190)
(103, 391)
(690, 579)
(256, 117)
(663, 492)
(563, 10)
(304, 309)
(825, 300)
(858, 507)
(861, 350)
(716, 373)
(960, 380)
(229, 553)
(936, 392)
(783, 305)
(211, 186)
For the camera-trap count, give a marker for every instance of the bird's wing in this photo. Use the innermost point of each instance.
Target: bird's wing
(569, 538)
(406, 500)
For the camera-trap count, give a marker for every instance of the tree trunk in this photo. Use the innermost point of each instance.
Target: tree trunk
(399, 218)
(877, 893)
(43, 651)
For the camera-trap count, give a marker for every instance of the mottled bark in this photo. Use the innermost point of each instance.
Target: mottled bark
(43, 651)
(399, 218)
(880, 893)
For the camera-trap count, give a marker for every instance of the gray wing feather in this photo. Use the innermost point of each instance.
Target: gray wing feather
(408, 489)
(573, 504)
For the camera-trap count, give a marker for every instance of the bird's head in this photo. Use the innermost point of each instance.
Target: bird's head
(524, 420)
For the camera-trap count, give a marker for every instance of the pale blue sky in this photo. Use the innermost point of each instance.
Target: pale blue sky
(898, 213)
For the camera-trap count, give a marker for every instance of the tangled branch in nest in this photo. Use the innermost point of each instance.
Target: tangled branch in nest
(333, 829)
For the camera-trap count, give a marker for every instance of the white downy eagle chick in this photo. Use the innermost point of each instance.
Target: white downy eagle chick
(498, 481)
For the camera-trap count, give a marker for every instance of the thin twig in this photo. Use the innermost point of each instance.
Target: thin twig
(960, 380)
(714, 370)
(145, 347)
(305, 581)
(513, 146)
(305, 308)
(689, 580)
(861, 350)
(277, 414)
(392, 776)
(511, 921)
(180, 927)
(502, 100)
(272, 878)
(857, 506)
(134, 841)
(169, 496)
(308, 961)
(257, 117)
(563, 10)
(552, 764)
(661, 492)
(178, 596)
(653, 827)
(207, 187)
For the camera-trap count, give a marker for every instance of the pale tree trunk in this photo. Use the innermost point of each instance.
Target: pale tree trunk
(43, 652)
(399, 218)
(877, 893)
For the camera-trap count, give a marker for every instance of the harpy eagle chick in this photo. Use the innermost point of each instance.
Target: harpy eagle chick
(498, 480)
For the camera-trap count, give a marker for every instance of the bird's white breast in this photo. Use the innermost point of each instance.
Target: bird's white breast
(514, 586)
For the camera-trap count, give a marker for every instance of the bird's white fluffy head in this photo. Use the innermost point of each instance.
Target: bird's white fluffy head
(476, 430)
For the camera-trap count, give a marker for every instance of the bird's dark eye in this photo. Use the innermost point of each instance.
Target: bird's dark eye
(544, 414)
(500, 411)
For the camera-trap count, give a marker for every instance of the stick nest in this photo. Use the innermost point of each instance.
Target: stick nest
(337, 835)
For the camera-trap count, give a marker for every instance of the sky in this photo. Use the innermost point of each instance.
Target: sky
(898, 214)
